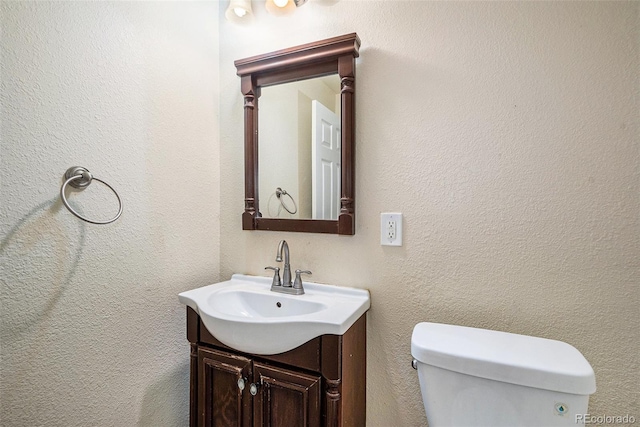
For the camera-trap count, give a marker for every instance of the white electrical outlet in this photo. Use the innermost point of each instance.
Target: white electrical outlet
(391, 229)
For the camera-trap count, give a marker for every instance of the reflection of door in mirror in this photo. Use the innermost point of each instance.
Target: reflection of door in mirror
(325, 162)
(285, 150)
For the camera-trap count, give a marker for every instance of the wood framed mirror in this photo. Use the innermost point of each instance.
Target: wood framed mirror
(306, 159)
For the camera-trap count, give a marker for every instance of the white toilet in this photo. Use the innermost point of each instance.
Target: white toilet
(476, 377)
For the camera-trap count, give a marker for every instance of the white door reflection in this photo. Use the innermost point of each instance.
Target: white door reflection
(325, 162)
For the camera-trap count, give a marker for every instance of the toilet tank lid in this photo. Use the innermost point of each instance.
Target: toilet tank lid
(502, 356)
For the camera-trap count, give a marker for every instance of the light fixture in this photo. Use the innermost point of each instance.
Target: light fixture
(280, 7)
(239, 11)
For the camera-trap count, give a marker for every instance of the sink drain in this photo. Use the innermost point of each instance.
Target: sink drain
(278, 304)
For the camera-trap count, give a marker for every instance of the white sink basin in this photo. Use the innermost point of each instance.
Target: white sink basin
(244, 314)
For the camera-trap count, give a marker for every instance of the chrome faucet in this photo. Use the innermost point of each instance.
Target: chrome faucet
(286, 286)
(286, 273)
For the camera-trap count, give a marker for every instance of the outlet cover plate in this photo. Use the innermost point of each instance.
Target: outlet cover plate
(391, 229)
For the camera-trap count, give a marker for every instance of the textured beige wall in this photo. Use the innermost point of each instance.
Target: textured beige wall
(517, 169)
(507, 134)
(92, 333)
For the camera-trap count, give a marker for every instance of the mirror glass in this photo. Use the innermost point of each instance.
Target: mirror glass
(299, 149)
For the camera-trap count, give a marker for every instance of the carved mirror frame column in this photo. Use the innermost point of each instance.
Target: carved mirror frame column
(332, 56)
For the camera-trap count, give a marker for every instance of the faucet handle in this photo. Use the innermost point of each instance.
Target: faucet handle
(297, 284)
(276, 276)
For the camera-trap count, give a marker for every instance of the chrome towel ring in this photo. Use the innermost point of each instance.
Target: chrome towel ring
(79, 177)
(279, 193)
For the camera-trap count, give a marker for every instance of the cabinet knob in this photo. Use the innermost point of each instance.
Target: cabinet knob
(253, 389)
(241, 383)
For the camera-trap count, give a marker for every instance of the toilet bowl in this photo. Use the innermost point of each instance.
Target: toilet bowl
(477, 377)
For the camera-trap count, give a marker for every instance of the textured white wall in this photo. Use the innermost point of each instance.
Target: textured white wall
(508, 135)
(516, 128)
(92, 333)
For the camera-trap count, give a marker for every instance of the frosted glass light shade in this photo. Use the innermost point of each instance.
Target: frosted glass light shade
(280, 7)
(239, 11)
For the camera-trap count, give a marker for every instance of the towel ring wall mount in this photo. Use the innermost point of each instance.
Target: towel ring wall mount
(279, 193)
(80, 178)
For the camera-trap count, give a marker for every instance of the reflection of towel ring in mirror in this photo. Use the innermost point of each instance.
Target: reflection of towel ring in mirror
(274, 208)
(279, 193)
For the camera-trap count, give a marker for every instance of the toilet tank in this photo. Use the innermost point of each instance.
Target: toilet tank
(477, 377)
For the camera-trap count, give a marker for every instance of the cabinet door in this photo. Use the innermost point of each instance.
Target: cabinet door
(221, 401)
(285, 398)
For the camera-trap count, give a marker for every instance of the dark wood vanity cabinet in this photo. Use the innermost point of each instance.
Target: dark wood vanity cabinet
(282, 397)
(322, 383)
(285, 397)
(219, 399)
